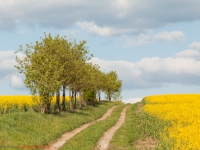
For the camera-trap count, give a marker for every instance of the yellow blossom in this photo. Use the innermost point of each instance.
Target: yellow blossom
(183, 111)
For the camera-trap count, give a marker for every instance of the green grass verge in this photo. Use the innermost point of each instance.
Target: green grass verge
(31, 128)
(154, 126)
(129, 132)
(139, 125)
(87, 139)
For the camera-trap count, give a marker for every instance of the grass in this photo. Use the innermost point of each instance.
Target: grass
(31, 128)
(153, 126)
(139, 125)
(129, 132)
(87, 139)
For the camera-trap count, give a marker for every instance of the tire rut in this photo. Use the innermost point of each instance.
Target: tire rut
(68, 135)
(103, 142)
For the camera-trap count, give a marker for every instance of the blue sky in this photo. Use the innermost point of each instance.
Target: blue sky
(153, 45)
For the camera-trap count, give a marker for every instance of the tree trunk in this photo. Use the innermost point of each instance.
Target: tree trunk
(58, 101)
(47, 104)
(48, 107)
(75, 100)
(109, 96)
(80, 99)
(99, 95)
(71, 99)
(63, 99)
(85, 102)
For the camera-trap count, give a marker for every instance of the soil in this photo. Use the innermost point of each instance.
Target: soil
(149, 143)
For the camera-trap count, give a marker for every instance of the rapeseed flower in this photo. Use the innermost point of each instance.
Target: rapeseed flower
(183, 111)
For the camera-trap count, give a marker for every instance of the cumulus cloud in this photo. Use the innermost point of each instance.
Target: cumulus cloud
(189, 54)
(7, 62)
(183, 68)
(192, 52)
(7, 70)
(122, 6)
(142, 39)
(92, 28)
(195, 46)
(107, 16)
(170, 36)
(16, 82)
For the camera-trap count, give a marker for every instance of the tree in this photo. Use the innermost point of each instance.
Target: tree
(91, 82)
(89, 95)
(78, 70)
(112, 84)
(40, 67)
(54, 63)
(117, 95)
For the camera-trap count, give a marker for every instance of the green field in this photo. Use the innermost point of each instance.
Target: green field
(32, 130)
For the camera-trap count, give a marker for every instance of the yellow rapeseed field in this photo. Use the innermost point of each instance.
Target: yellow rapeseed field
(183, 111)
(19, 101)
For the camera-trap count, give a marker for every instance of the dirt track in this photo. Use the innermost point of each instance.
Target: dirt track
(103, 142)
(68, 135)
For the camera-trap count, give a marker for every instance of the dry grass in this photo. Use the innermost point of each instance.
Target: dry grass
(147, 144)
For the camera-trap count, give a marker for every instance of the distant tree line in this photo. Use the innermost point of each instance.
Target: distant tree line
(55, 64)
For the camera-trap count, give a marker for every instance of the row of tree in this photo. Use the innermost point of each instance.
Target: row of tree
(54, 64)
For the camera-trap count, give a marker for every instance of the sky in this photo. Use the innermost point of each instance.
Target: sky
(154, 46)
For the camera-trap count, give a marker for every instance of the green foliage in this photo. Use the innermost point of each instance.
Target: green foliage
(117, 95)
(112, 85)
(41, 68)
(55, 62)
(89, 95)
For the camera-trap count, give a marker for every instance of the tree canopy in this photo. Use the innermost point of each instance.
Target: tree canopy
(55, 63)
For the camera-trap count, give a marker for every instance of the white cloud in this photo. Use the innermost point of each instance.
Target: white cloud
(156, 72)
(7, 70)
(170, 36)
(122, 7)
(192, 52)
(16, 82)
(114, 15)
(183, 68)
(189, 54)
(92, 28)
(149, 37)
(7, 62)
(195, 46)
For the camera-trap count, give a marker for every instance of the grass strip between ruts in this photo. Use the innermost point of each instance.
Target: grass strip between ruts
(26, 129)
(87, 139)
(129, 132)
